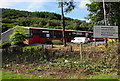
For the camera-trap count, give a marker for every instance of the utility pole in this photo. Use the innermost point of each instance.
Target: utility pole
(105, 20)
(63, 21)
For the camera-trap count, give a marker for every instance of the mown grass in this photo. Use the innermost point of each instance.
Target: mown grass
(103, 76)
(10, 75)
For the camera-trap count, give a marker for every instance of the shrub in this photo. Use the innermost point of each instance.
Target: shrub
(32, 47)
(49, 42)
(57, 42)
(6, 44)
(19, 43)
(18, 36)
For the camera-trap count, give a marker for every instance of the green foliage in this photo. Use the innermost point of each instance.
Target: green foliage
(68, 5)
(18, 36)
(10, 75)
(49, 42)
(97, 14)
(104, 76)
(32, 47)
(57, 42)
(12, 18)
(103, 65)
(6, 44)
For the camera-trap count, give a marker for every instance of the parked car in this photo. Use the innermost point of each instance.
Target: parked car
(80, 40)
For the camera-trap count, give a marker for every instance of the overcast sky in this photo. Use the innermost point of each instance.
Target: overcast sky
(79, 12)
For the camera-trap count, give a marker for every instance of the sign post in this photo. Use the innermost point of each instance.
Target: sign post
(105, 20)
(105, 32)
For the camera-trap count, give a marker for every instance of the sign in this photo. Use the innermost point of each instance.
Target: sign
(105, 32)
(45, 31)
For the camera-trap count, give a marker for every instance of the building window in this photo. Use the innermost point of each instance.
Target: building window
(47, 35)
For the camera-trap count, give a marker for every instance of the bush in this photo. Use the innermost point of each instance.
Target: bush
(18, 36)
(49, 42)
(32, 47)
(19, 44)
(6, 44)
(57, 42)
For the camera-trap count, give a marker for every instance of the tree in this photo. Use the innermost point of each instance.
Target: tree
(96, 13)
(70, 7)
(18, 36)
(112, 11)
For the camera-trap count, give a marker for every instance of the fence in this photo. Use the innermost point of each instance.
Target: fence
(20, 55)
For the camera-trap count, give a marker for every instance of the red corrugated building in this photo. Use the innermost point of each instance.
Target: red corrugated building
(42, 35)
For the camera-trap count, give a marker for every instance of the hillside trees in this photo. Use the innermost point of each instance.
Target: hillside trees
(11, 18)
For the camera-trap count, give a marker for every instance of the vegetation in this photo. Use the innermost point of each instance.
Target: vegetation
(57, 42)
(18, 36)
(6, 44)
(54, 42)
(63, 64)
(11, 18)
(97, 14)
(70, 7)
(32, 47)
(9, 75)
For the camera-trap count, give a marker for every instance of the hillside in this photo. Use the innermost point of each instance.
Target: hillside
(12, 17)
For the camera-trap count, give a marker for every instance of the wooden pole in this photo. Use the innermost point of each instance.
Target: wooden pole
(105, 20)
(63, 23)
(81, 51)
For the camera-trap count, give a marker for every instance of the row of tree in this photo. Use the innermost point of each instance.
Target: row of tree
(11, 18)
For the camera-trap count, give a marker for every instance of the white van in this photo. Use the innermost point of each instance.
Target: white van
(80, 40)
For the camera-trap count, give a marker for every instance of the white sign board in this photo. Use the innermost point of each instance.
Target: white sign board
(105, 32)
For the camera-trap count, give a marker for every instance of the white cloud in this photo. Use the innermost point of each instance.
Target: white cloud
(83, 3)
(85, 20)
(36, 4)
(28, 0)
(5, 4)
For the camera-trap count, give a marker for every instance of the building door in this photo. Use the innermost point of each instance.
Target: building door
(36, 38)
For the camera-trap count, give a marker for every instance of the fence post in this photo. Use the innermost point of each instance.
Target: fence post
(71, 48)
(42, 46)
(52, 45)
(32, 50)
(81, 51)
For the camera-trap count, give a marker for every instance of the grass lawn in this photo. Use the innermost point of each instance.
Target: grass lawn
(9, 75)
(103, 76)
